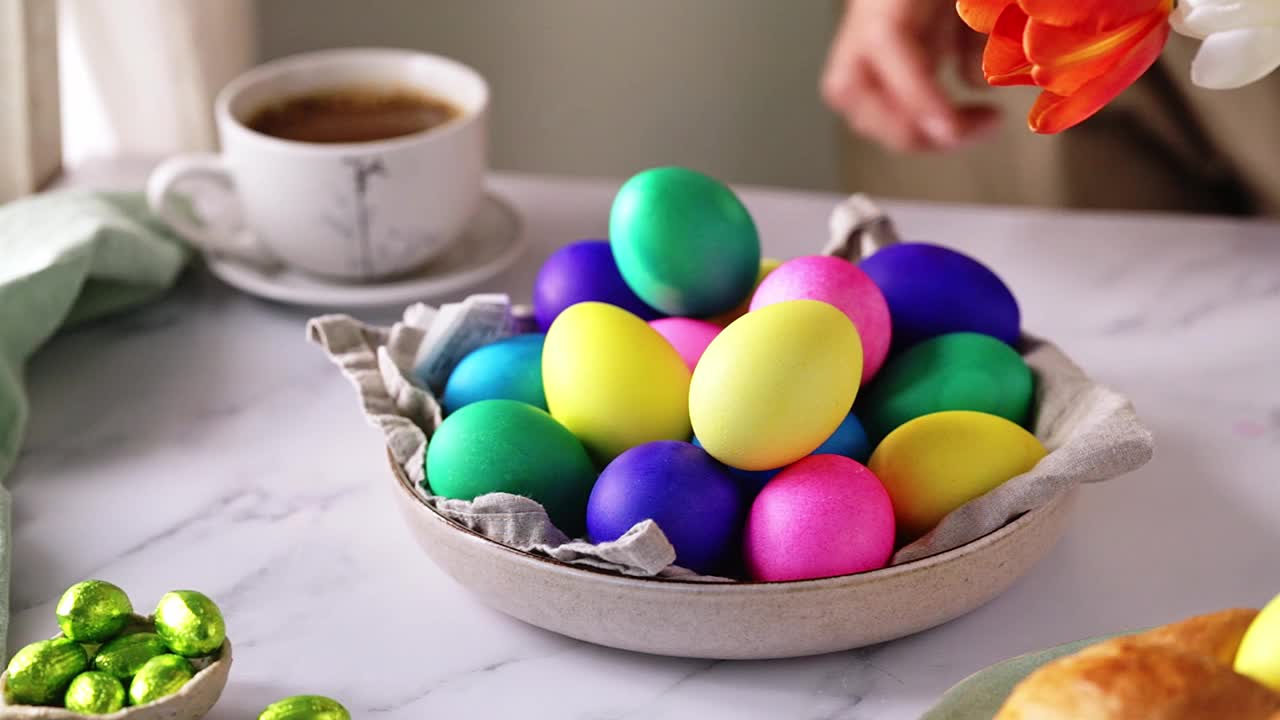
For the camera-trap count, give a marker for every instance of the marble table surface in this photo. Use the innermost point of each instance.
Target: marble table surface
(201, 442)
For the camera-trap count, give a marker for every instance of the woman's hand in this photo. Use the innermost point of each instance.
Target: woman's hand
(882, 74)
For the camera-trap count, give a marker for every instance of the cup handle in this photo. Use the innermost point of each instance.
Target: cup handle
(206, 168)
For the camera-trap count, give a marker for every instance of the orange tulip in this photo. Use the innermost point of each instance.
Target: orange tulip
(1081, 53)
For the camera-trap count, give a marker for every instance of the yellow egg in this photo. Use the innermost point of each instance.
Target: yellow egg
(1259, 654)
(613, 380)
(938, 462)
(775, 384)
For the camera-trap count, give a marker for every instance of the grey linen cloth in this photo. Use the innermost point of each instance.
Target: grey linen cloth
(1093, 433)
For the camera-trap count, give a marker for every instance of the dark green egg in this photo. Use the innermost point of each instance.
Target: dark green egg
(509, 446)
(957, 371)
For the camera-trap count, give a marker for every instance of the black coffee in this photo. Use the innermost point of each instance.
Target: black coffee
(347, 115)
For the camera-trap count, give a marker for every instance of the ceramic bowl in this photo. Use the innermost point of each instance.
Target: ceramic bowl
(192, 702)
(742, 620)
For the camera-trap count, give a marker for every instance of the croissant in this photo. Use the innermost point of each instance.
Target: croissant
(1174, 672)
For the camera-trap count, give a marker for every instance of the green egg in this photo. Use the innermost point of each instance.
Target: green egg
(684, 242)
(508, 446)
(957, 371)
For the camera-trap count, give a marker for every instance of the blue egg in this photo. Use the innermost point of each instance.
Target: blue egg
(849, 440)
(509, 369)
(751, 481)
(933, 290)
(583, 271)
(681, 488)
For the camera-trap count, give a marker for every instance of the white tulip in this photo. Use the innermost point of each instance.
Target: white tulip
(1241, 39)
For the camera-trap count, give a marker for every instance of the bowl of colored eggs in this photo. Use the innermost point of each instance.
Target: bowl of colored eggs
(837, 451)
(110, 662)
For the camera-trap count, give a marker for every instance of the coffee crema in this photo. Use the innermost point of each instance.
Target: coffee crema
(352, 115)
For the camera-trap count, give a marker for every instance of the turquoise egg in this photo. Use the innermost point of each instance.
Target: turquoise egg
(684, 242)
(509, 369)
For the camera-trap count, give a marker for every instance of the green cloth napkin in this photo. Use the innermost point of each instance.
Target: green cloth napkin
(67, 257)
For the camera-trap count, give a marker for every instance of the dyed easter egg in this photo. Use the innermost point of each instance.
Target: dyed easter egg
(933, 290)
(508, 369)
(614, 381)
(678, 486)
(750, 481)
(583, 271)
(956, 371)
(849, 440)
(840, 283)
(767, 265)
(1259, 654)
(689, 337)
(775, 384)
(509, 446)
(684, 242)
(936, 463)
(826, 515)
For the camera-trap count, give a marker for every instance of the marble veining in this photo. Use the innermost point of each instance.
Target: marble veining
(201, 442)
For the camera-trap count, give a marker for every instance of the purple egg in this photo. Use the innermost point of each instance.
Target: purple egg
(933, 290)
(681, 488)
(583, 271)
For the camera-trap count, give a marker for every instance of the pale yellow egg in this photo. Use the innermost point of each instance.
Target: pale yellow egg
(775, 384)
(1259, 654)
(613, 381)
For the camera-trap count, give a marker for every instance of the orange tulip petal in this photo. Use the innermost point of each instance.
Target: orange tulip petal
(1066, 59)
(1003, 61)
(1054, 113)
(1093, 15)
(981, 15)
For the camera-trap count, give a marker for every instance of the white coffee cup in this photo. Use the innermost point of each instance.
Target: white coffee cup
(351, 211)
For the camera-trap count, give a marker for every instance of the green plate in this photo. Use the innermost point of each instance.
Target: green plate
(979, 696)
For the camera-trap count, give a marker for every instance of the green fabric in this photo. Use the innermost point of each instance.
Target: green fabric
(66, 258)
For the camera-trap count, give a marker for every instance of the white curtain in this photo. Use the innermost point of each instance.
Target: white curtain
(139, 76)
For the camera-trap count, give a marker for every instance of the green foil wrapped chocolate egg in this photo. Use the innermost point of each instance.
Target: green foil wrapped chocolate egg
(305, 707)
(124, 656)
(40, 672)
(190, 623)
(93, 611)
(161, 676)
(95, 693)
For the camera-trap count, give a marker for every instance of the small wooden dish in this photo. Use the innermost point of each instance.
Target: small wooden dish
(192, 702)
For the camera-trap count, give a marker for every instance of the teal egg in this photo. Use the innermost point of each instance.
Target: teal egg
(512, 447)
(684, 242)
(509, 369)
(957, 371)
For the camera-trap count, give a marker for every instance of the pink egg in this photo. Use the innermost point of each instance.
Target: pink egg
(823, 516)
(842, 284)
(688, 336)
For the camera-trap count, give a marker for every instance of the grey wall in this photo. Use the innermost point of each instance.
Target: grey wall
(607, 87)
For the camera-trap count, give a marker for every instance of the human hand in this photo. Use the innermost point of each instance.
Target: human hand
(882, 74)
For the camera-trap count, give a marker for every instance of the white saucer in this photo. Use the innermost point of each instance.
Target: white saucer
(492, 242)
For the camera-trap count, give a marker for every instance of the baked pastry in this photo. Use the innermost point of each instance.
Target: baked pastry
(1181, 671)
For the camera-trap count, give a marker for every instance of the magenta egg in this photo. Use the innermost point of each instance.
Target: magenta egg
(688, 336)
(823, 516)
(840, 283)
